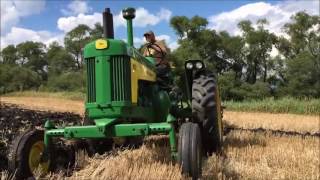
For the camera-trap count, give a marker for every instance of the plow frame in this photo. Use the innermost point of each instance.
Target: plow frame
(109, 128)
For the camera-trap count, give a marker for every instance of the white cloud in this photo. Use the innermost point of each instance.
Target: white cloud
(143, 19)
(277, 15)
(76, 7)
(18, 35)
(66, 24)
(173, 45)
(13, 11)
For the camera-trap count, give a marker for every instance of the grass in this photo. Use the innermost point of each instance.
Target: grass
(283, 105)
(49, 103)
(249, 155)
(150, 161)
(284, 122)
(60, 95)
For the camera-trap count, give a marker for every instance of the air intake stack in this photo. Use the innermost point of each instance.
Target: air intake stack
(129, 14)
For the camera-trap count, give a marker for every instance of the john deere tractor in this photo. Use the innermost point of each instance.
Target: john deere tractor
(124, 100)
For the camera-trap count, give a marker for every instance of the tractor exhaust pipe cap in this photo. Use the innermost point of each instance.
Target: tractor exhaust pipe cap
(129, 13)
(107, 20)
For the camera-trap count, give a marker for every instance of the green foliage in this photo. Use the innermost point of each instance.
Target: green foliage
(9, 55)
(16, 78)
(303, 77)
(70, 81)
(75, 40)
(59, 60)
(283, 105)
(232, 89)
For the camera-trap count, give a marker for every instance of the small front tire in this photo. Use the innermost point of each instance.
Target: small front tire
(190, 150)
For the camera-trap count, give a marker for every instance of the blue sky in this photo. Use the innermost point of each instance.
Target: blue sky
(48, 21)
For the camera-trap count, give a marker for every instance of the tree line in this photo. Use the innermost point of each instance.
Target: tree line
(243, 63)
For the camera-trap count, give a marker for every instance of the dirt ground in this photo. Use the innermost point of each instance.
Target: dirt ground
(245, 154)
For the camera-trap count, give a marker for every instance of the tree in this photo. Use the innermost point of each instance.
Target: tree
(59, 60)
(9, 55)
(303, 77)
(302, 53)
(75, 40)
(259, 43)
(180, 24)
(303, 32)
(16, 78)
(232, 50)
(96, 32)
(32, 55)
(69, 81)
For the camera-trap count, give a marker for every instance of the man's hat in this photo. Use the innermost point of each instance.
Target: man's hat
(148, 33)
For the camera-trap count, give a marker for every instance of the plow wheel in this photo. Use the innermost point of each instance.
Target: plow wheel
(190, 150)
(26, 153)
(206, 110)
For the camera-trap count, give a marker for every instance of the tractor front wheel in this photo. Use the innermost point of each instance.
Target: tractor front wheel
(25, 156)
(190, 150)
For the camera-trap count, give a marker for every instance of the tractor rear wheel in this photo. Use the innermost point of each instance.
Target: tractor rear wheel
(206, 110)
(190, 150)
(26, 153)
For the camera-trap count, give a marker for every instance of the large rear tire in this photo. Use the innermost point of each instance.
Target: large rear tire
(25, 155)
(190, 150)
(206, 110)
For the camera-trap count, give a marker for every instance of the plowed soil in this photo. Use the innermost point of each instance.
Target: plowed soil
(14, 120)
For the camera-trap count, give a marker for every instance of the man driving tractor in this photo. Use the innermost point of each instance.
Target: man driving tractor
(158, 51)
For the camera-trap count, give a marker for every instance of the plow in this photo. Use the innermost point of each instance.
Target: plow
(124, 103)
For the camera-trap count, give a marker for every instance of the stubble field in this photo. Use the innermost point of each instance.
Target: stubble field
(269, 153)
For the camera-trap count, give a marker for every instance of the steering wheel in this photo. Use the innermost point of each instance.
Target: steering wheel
(149, 46)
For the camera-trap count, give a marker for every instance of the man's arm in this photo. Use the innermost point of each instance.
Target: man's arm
(159, 47)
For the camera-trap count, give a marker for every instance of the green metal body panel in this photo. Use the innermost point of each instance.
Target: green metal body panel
(161, 105)
(108, 82)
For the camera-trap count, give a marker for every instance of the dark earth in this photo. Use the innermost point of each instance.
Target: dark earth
(14, 120)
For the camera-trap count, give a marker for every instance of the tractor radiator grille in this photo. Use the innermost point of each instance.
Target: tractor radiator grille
(91, 80)
(120, 78)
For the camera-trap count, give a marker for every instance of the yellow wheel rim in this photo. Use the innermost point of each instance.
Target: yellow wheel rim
(34, 158)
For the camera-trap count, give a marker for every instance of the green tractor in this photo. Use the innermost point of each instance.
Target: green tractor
(124, 100)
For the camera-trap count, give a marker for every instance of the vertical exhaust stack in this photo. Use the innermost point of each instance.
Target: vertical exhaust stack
(107, 19)
(129, 14)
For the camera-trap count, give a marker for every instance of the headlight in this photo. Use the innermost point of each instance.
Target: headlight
(199, 65)
(189, 65)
